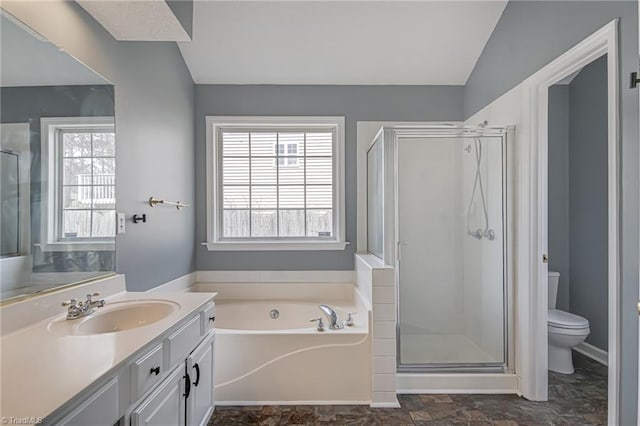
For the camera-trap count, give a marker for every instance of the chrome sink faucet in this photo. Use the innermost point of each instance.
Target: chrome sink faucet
(77, 309)
(332, 316)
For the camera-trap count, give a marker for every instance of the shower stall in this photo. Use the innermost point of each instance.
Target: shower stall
(437, 211)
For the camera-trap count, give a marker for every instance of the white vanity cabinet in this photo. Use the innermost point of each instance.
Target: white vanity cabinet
(187, 354)
(169, 382)
(165, 405)
(185, 397)
(102, 404)
(201, 401)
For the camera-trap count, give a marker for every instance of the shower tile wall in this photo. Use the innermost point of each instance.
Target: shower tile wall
(483, 259)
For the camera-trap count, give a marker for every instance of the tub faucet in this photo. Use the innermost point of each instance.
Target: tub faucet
(332, 316)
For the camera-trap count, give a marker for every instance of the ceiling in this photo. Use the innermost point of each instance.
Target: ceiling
(29, 60)
(147, 20)
(326, 42)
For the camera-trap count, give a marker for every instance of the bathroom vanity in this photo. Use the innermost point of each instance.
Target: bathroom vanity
(144, 359)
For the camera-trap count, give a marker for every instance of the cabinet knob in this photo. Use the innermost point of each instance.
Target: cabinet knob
(155, 370)
(212, 319)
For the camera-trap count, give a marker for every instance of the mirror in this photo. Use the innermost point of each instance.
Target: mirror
(57, 167)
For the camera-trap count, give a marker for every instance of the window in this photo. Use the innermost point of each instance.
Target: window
(79, 165)
(288, 158)
(275, 183)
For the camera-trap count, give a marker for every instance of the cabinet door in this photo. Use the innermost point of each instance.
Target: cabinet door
(200, 368)
(165, 406)
(99, 408)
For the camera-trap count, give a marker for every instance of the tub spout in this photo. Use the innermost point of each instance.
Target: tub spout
(332, 316)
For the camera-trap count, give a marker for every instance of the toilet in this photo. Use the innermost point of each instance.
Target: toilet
(565, 330)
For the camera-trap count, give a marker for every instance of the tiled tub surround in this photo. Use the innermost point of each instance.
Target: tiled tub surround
(262, 360)
(43, 373)
(378, 279)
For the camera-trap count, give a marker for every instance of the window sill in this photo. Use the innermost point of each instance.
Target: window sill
(83, 246)
(276, 246)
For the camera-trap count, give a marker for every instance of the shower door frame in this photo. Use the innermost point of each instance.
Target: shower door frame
(505, 133)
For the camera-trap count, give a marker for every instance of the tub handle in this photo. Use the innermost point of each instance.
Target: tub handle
(320, 326)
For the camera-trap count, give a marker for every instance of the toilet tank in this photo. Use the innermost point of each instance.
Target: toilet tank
(554, 278)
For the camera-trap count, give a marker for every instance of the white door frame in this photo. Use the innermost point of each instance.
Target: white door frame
(532, 213)
(638, 378)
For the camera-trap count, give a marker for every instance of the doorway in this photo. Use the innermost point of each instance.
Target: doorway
(577, 175)
(533, 250)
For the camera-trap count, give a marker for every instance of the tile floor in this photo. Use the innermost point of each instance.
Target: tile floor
(578, 399)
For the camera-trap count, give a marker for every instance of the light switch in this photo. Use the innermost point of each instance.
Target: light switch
(121, 223)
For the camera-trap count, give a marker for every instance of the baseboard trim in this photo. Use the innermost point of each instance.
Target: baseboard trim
(592, 352)
(478, 383)
(385, 405)
(179, 284)
(251, 403)
(347, 276)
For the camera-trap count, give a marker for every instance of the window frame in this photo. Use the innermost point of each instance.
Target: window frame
(51, 188)
(214, 127)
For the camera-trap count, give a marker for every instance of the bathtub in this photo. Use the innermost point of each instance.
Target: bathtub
(263, 358)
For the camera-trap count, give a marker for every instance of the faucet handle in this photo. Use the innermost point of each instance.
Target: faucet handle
(349, 321)
(94, 303)
(70, 302)
(320, 326)
(89, 296)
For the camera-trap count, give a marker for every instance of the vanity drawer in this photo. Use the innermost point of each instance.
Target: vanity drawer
(178, 345)
(207, 319)
(146, 372)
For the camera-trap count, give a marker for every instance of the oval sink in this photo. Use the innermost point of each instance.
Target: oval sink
(115, 317)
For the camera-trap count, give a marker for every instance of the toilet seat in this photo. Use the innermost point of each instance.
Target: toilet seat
(569, 331)
(562, 320)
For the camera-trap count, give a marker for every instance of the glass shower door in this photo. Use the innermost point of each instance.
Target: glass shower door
(450, 251)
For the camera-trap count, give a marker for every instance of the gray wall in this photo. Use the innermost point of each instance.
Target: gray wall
(154, 136)
(558, 177)
(578, 196)
(406, 103)
(183, 9)
(588, 199)
(529, 35)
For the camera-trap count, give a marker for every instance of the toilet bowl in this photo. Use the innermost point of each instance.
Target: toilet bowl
(565, 330)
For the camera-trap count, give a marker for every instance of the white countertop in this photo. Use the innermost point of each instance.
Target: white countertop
(41, 370)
